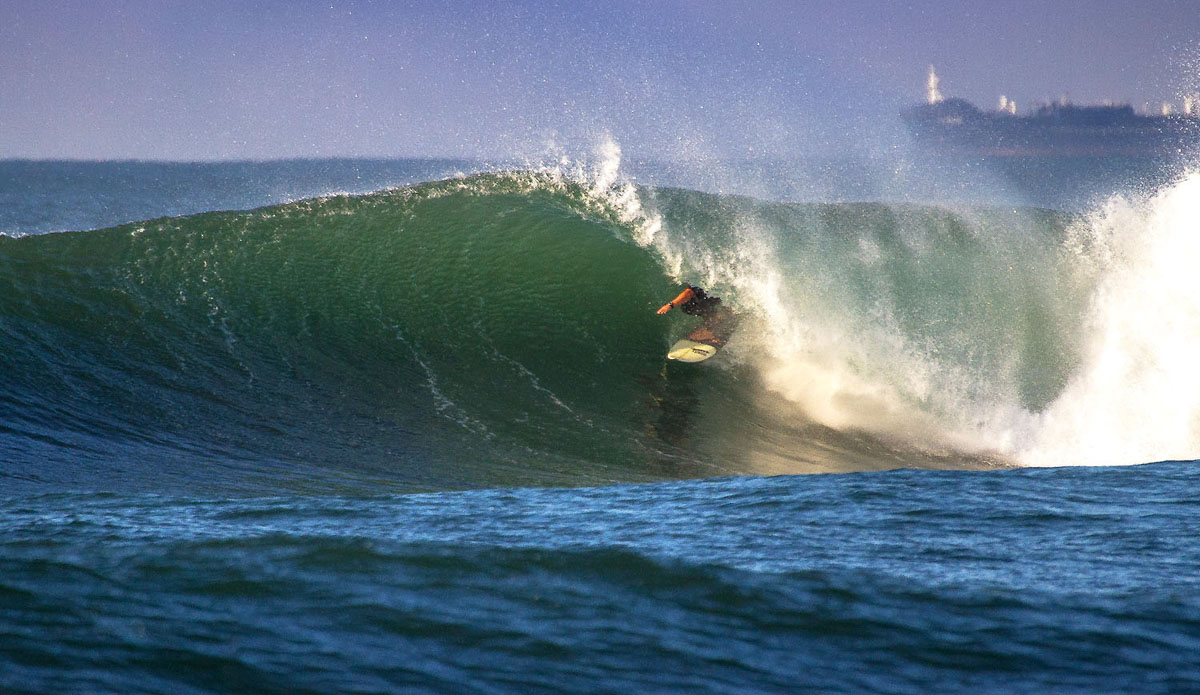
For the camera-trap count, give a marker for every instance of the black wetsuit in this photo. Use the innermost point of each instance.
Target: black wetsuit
(719, 321)
(701, 304)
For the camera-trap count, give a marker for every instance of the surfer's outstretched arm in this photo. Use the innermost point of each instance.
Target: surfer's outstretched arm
(683, 298)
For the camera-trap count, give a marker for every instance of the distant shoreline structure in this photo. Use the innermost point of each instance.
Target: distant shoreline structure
(1061, 129)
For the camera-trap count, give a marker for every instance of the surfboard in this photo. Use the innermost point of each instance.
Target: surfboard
(690, 351)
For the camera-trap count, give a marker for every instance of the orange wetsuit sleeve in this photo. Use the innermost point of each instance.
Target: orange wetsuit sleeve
(683, 298)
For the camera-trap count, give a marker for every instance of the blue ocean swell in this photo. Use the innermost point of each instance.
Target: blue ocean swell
(897, 582)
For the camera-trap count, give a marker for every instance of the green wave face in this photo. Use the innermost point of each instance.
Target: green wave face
(501, 330)
(456, 333)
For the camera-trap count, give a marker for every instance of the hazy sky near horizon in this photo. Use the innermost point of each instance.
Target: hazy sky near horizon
(247, 79)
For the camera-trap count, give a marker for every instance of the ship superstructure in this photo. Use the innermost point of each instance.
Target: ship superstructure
(957, 126)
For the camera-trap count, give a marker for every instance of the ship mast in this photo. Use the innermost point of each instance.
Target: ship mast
(932, 94)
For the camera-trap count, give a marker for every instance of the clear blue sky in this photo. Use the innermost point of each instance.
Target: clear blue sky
(225, 79)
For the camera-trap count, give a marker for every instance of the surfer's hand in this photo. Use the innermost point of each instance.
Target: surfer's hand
(665, 308)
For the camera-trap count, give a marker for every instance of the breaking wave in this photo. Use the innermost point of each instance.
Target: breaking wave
(499, 329)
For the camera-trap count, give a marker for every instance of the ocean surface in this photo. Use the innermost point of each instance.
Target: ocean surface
(407, 426)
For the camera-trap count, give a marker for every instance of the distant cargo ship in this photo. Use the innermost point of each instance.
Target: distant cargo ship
(955, 126)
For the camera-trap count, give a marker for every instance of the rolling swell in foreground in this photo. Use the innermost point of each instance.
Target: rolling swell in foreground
(499, 329)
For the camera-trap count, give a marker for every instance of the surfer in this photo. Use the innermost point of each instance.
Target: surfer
(719, 321)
